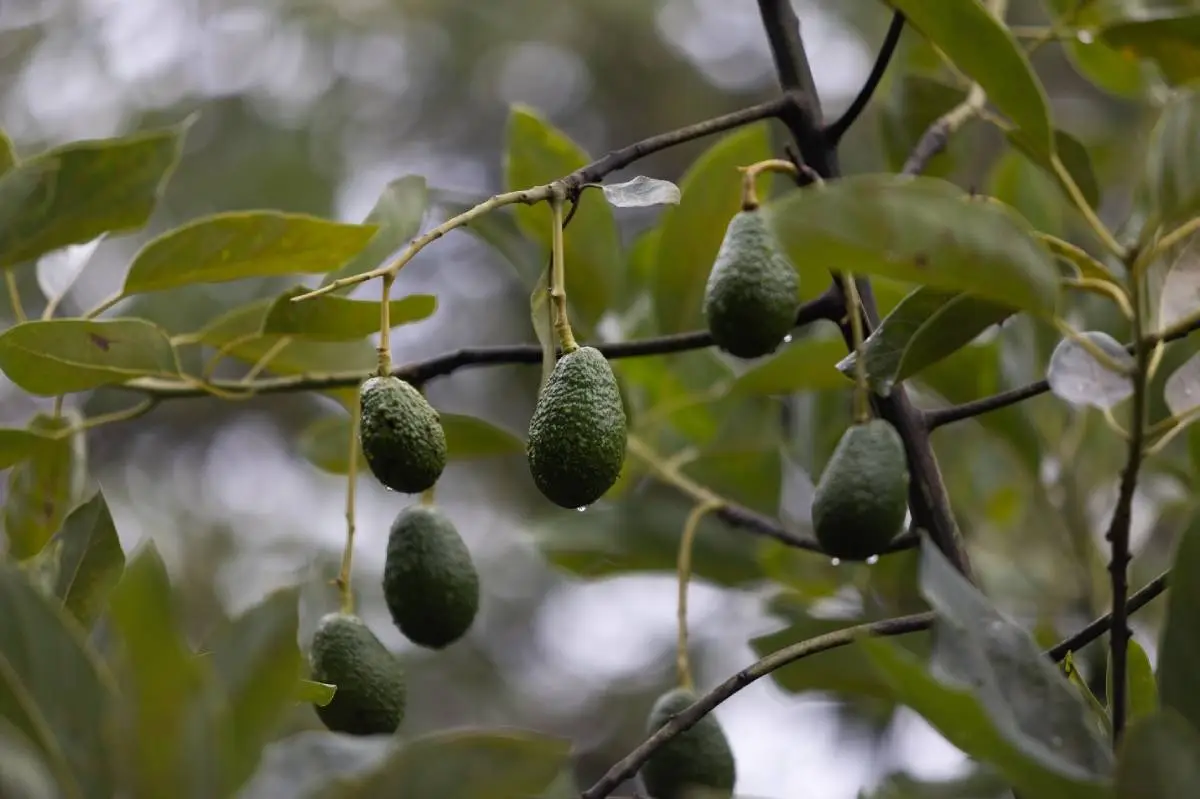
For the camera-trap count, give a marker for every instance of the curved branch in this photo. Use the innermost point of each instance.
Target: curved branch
(1138, 600)
(835, 131)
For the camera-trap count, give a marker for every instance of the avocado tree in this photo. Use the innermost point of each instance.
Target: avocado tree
(915, 319)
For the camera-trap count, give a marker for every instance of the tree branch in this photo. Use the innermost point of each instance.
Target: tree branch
(928, 501)
(835, 131)
(1100, 626)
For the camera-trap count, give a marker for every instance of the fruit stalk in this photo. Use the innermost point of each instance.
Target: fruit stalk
(558, 282)
(684, 570)
(750, 177)
(862, 403)
(343, 579)
(385, 326)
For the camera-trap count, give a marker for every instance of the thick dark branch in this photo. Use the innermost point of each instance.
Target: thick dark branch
(928, 501)
(936, 418)
(835, 131)
(1100, 626)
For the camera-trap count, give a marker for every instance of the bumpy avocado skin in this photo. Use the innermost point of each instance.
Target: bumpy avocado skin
(401, 435)
(371, 691)
(577, 434)
(696, 764)
(861, 498)
(751, 298)
(429, 580)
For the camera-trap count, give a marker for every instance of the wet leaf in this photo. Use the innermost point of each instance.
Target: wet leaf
(1077, 377)
(397, 217)
(17, 445)
(61, 356)
(1159, 758)
(806, 364)
(1141, 693)
(91, 560)
(1073, 155)
(1179, 641)
(641, 192)
(334, 318)
(1171, 42)
(43, 488)
(1119, 73)
(1179, 297)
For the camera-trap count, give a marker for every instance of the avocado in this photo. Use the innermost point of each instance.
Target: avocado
(862, 496)
(697, 763)
(577, 433)
(752, 295)
(401, 435)
(371, 692)
(429, 581)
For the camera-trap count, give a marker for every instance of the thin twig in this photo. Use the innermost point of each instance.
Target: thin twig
(14, 295)
(835, 131)
(1100, 626)
(683, 573)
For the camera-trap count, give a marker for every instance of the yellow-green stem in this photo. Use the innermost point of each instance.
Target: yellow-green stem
(385, 326)
(1169, 240)
(104, 305)
(1111, 290)
(684, 572)
(862, 401)
(265, 361)
(670, 474)
(343, 579)
(750, 178)
(14, 295)
(558, 280)
(1098, 227)
(427, 496)
(1092, 348)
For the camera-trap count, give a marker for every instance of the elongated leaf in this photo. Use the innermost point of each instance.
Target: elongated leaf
(91, 560)
(1086, 265)
(242, 244)
(1019, 183)
(1179, 643)
(1141, 694)
(73, 193)
(162, 676)
(924, 328)
(692, 231)
(1119, 73)
(962, 721)
(16, 445)
(397, 216)
(314, 693)
(984, 49)
(466, 764)
(1027, 699)
(1076, 376)
(539, 153)
(53, 690)
(807, 364)
(641, 192)
(1172, 42)
(60, 356)
(304, 764)
(1179, 296)
(257, 664)
(1073, 155)
(1159, 758)
(922, 230)
(1171, 180)
(334, 318)
(43, 488)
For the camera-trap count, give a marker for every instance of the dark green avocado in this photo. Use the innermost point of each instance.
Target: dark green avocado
(401, 435)
(371, 692)
(696, 764)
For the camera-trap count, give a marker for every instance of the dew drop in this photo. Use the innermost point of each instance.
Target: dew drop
(1056, 741)
(871, 561)
(1085, 37)
(581, 510)
(836, 561)
(787, 339)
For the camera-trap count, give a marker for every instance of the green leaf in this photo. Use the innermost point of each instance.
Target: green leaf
(61, 356)
(1088, 266)
(17, 445)
(543, 327)
(91, 560)
(243, 244)
(498, 230)
(43, 488)
(1018, 182)
(922, 230)
(1029, 702)
(1171, 177)
(916, 103)
(334, 318)
(162, 675)
(73, 193)
(53, 690)
(8, 158)
(24, 773)
(1179, 642)
(464, 764)
(962, 721)
(397, 217)
(1159, 758)
(1141, 694)
(257, 664)
(985, 50)
(1073, 156)
(806, 364)
(468, 438)
(692, 231)
(1115, 72)
(927, 326)
(309, 692)
(1172, 42)
(539, 153)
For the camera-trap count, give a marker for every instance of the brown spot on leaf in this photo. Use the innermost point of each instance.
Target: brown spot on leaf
(920, 260)
(100, 341)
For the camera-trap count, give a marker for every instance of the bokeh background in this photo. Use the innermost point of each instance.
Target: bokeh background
(316, 106)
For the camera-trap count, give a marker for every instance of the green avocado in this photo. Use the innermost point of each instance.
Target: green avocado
(401, 435)
(862, 496)
(577, 433)
(697, 763)
(429, 581)
(752, 295)
(371, 691)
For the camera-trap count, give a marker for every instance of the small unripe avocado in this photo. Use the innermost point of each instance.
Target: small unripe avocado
(862, 496)
(577, 434)
(429, 580)
(751, 298)
(401, 435)
(697, 763)
(371, 691)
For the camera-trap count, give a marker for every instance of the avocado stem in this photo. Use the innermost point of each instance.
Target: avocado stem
(862, 406)
(683, 664)
(427, 497)
(385, 326)
(558, 281)
(343, 578)
(750, 176)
